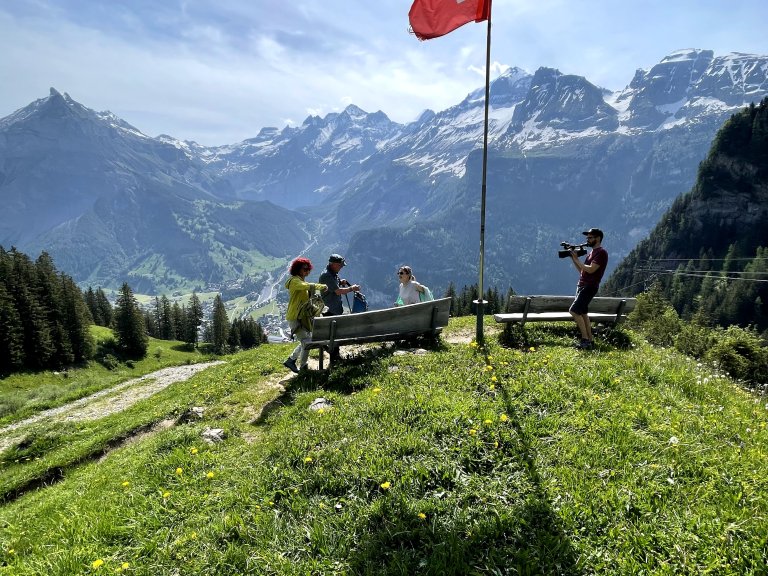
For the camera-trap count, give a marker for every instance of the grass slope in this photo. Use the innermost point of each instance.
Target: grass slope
(463, 460)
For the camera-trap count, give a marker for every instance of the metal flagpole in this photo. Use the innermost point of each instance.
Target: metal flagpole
(479, 338)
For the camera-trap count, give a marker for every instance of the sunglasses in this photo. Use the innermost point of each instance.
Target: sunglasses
(402, 273)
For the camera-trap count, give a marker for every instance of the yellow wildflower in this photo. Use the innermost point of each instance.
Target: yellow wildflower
(487, 421)
(125, 484)
(179, 471)
(422, 515)
(385, 485)
(503, 418)
(494, 379)
(166, 494)
(472, 431)
(307, 460)
(210, 475)
(376, 390)
(97, 563)
(193, 450)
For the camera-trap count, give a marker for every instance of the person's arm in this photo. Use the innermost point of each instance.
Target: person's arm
(581, 267)
(345, 288)
(298, 284)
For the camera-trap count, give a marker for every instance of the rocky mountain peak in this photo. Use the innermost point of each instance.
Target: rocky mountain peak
(565, 102)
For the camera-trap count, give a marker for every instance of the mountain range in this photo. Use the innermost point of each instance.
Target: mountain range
(111, 204)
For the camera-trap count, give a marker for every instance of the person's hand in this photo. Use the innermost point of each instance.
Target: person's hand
(323, 287)
(355, 287)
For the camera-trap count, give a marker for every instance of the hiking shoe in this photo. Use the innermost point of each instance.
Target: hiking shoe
(291, 365)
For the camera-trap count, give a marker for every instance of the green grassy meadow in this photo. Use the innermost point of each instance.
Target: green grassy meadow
(534, 459)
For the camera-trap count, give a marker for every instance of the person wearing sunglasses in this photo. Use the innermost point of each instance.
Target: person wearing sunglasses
(409, 288)
(590, 273)
(298, 290)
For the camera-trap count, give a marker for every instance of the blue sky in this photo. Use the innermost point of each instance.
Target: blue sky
(217, 71)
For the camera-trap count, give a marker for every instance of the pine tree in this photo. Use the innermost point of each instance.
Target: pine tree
(167, 329)
(132, 340)
(177, 320)
(38, 344)
(77, 320)
(193, 320)
(105, 312)
(219, 326)
(11, 334)
(90, 302)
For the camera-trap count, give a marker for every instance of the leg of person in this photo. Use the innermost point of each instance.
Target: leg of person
(290, 362)
(303, 353)
(579, 310)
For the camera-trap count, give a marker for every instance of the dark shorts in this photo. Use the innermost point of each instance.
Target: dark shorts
(584, 295)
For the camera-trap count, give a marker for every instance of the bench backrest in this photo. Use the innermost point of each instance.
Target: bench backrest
(601, 304)
(414, 318)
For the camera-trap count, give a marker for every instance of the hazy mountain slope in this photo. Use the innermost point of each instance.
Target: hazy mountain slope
(110, 203)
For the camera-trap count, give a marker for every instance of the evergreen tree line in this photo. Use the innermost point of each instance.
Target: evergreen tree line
(733, 290)
(462, 302)
(43, 318)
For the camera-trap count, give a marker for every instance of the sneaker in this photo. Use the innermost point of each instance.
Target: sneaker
(585, 345)
(291, 365)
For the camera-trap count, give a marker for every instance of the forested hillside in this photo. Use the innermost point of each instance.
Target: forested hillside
(710, 250)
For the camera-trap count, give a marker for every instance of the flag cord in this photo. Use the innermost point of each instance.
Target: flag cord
(479, 337)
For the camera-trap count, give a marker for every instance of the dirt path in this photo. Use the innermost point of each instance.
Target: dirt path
(110, 400)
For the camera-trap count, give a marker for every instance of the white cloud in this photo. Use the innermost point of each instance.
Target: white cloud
(217, 72)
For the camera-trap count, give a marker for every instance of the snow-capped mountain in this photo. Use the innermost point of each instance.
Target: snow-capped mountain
(564, 154)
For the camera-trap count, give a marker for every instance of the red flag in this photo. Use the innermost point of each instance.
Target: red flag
(433, 18)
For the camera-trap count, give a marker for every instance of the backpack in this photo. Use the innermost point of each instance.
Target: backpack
(310, 310)
(359, 303)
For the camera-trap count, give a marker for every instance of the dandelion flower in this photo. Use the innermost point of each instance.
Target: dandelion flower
(385, 485)
(179, 471)
(125, 566)
(472, 431)
(532, 349)
(98, 563)
(422, 516)
(376, 390)
(166, 494)
(492, 387)
(487, 421)
(125, 484)
(494, 379)
(307, 460)
(193, 450)
(210, 475)
(503, 418)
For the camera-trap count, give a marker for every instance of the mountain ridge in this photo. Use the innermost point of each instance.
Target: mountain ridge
(558, 145)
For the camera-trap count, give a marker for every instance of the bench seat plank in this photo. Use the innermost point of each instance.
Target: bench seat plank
(552, 308)
(388, 325)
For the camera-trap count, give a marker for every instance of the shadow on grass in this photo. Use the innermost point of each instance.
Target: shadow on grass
(523, 537)
(562, 335)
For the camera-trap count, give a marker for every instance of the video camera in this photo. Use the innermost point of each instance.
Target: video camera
(580, 249)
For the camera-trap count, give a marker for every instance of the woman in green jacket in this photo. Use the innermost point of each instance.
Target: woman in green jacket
(298, 290)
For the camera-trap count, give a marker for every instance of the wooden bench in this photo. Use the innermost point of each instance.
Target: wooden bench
(602, 310)
(388, 325)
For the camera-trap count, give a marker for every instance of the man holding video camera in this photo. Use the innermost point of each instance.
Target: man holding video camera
(590, 273)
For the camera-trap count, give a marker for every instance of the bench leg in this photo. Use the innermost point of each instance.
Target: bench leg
(320, 361)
